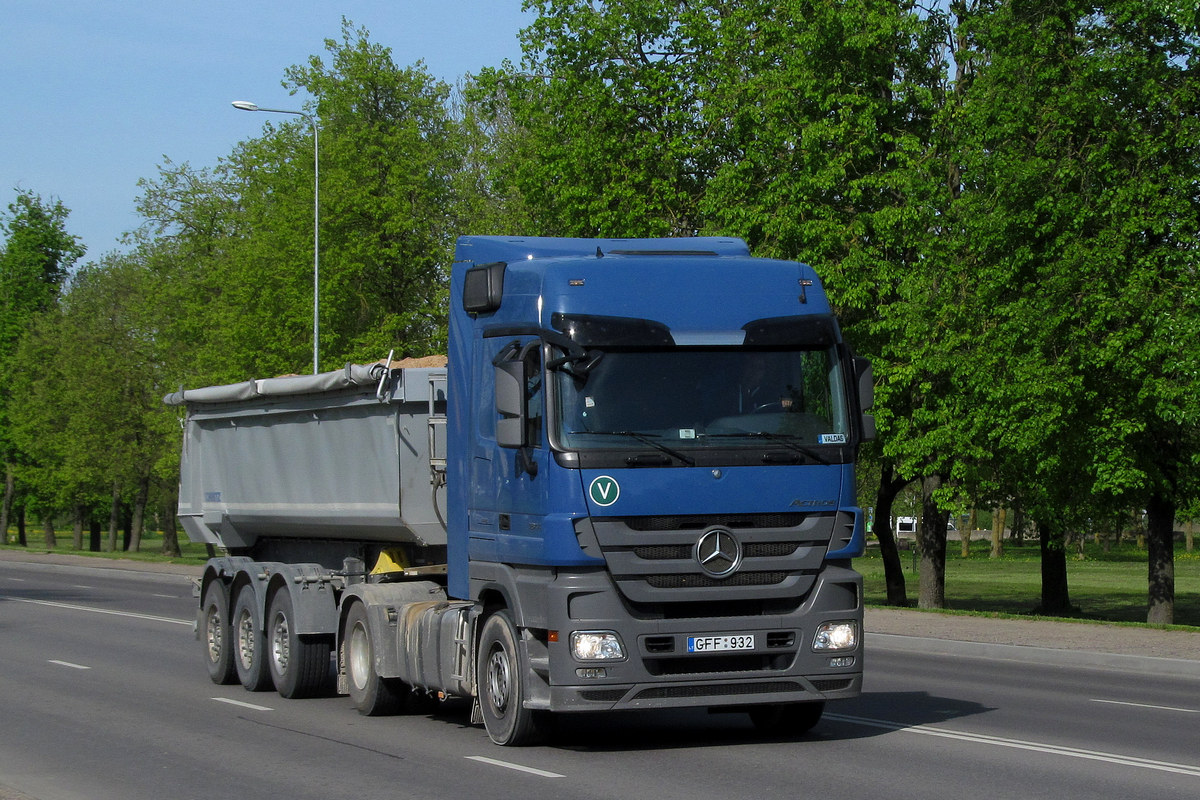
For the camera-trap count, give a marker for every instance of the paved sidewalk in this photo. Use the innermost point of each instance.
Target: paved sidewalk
(1036, 641)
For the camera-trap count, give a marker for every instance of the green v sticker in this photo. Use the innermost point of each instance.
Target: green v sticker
(604, 491)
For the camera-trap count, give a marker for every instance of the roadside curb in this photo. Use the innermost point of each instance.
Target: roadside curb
(1028, 654)
(126, 564)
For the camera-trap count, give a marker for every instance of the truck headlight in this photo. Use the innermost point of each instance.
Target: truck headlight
(836, 636)
(597, 646)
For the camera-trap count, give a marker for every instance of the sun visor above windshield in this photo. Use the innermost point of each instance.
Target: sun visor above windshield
(597, 331)
(804, 330)
(601, 331)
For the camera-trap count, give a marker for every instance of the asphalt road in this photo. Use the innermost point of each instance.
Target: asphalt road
(103, 695)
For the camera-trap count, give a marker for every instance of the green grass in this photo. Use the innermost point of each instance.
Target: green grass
(151, 549)
(1109, 586)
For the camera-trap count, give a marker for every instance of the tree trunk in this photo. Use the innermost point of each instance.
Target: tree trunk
(1160, 543)
(1056, 597)
(94, 533)
(126, 527)
(170, 545)
(931, 542)
(998, 518)
(6, 508)
(1190, 534)
(138, 522)
(48, 532)
(114, 518)
(893, 570)
(77, 519)
(21, 540)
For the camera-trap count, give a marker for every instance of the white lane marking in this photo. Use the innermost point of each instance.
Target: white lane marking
(496, 763)
(81, 586)
(71, 607)
(242, 704)
(68, 664)
(1038, 747)
(1147, 705)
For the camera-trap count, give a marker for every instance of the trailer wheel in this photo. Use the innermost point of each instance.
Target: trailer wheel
(249, 644)
(215, 636)
(299, 665)
(372, 695)
(502, 684)
(787, 719)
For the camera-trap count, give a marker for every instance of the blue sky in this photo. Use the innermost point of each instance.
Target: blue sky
(94, 93)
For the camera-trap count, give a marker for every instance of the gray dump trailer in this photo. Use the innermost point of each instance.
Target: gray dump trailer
(259, 478)
(307, 482)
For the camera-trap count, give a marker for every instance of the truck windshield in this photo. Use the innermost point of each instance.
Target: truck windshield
(684, 398)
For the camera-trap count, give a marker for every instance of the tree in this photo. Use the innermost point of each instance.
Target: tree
(392, 153)
(1082, 204)
(603, 132)
(36, 258)
(101, 430)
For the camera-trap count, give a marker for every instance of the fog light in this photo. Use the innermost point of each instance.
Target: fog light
(596, 646)
(842, 661)
(591, 672)
(836, 636)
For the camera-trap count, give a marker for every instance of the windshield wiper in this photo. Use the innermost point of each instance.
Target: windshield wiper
(647, 438)
(784, 439)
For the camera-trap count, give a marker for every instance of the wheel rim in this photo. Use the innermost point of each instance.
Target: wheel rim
(212, 629)
(279, 644)
(499, 680)
(359, 660)
(245, 639)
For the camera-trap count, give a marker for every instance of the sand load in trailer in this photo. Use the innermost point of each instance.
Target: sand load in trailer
(256, 470)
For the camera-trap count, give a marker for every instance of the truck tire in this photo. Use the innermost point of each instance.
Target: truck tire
(787, 719)
(249, 644)
(215, 635)
(299, 664)
(372, 695)
(502, 687)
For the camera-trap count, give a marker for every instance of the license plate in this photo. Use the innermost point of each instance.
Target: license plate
(713, 644)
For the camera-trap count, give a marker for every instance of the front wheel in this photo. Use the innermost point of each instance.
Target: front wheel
(215, 636)
(502, 686)
(372, 695)
(299, 665)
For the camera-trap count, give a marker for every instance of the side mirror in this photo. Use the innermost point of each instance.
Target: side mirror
(866, 395)
(483, 288)
(510, 404)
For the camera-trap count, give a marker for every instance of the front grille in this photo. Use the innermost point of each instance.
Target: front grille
(698, 522)
(653, 559)
(750, 550)
(714, 664)
(832, 685)
(602, 695)
(723, 690)
(703, 581)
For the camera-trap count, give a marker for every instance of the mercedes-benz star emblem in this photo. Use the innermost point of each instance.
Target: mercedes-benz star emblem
(719, 552)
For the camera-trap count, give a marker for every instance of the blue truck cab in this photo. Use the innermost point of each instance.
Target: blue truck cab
(650, 479)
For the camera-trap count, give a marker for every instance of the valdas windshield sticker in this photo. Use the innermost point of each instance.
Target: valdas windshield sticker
(833, 438)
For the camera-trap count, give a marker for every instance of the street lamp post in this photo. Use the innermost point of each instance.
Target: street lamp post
(247, 106)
